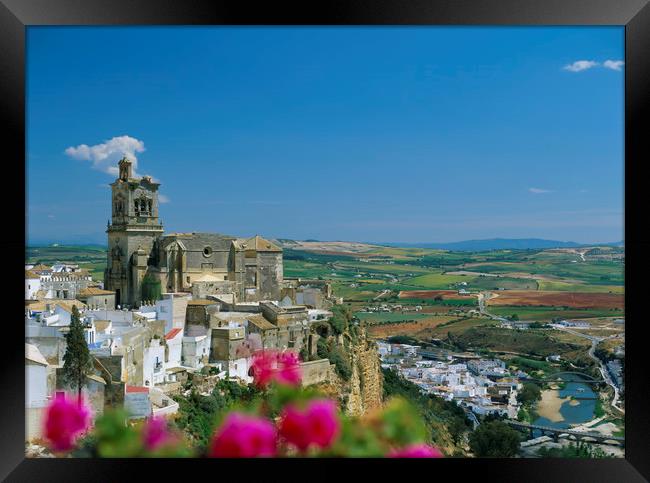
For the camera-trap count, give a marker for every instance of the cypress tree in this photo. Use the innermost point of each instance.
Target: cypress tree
(77, 362)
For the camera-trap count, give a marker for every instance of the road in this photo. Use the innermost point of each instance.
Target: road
(384, 292)
(482, 297)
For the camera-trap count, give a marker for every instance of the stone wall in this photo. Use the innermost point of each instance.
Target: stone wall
(204, 384)
(315, 372)
(201, 290)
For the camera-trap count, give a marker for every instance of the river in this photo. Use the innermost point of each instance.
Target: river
(558, 410)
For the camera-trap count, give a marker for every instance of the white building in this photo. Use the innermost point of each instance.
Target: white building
(174, 340)
(318, 314)
(154, 363)
(196, 350)
(137, 402)
(37, 391)
(32, 284)
(172, 309)
(384, 348)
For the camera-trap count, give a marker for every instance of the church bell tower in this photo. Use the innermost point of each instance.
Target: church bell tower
(133, 228)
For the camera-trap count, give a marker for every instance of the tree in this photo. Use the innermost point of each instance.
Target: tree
(77, 362)
(151, 288)
(457, 429)
(529, 393)
(494, 439)
(340, 319)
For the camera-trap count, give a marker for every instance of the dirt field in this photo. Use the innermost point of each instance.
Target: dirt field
(580, 300)
(432, 294)
(408, 328)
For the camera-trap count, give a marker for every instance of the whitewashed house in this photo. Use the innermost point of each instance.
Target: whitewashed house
(174, 341)
(37, 391)
(32, 284)
(154, 363)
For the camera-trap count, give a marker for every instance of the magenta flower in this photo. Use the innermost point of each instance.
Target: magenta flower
(416, 451)
(65, 420)
(272, 365)
(316, 425)
(244, 436)
(155, 434)
(289, 369)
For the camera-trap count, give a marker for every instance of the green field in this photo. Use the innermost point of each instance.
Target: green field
(90, 257)
(549, 313)
(436, 281)
(417, 269)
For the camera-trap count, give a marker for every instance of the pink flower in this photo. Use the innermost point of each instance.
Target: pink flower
(272, 365)
(288, 369)
(65, 420)
(416, 451)
(156, 434)
(244, 436)
(316, 425)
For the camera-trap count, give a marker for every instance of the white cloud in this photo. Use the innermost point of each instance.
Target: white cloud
(163, 199)
(105, 156)
(538, 191)
(580, 65)
(51, 217)
(613, 64)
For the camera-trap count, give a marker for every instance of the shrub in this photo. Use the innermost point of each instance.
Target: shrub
(494, 439)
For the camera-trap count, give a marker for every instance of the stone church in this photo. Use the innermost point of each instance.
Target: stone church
(143, 262)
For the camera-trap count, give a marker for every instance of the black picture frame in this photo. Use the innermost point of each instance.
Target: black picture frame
(16, 15)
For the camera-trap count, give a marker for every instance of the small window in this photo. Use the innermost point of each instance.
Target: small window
(207, 251)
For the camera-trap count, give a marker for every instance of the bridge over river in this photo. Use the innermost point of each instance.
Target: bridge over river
(584, 378)
(555, 433)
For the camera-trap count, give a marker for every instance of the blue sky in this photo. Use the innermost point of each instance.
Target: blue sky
(419, 134)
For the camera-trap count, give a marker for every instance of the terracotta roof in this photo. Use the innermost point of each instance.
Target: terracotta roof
(261, 322)
(172, 333)
(31, 274)
(68, 304)
(86, 292)
(132, 389)
(202, 302)
(101, 325)
(35, 305)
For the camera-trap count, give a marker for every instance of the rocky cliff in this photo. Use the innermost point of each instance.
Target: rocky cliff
(366, 382)
(362, 390)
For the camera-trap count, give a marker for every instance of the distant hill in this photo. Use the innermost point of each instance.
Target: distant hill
(97, 238)
(466, 245)
(500, 244)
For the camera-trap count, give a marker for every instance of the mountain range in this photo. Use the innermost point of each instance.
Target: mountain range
(500, 244)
